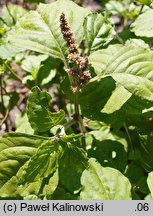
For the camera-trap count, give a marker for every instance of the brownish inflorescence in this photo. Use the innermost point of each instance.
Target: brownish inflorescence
(80, 71)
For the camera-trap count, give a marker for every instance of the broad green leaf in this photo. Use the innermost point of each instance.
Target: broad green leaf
(101, 183)
(137, 176)
(41, 68)
(62, 194)
(132, 60)
(116, 100)
(142, 26)
(150, 182)
(137, 43)
(109, 153)
(71, 166)
(148, 197)
(139, 86)
(99, 30)
(132, 69)
(15, 150)
(39, 115)
(100, 58)
(32, 63)
(51, 185)
(22, 124)
(146, 150)
(104, 133)
(42, 164)
(145, 2)
(40, 30)
(7, 50)
(12, 13)
(93, 98)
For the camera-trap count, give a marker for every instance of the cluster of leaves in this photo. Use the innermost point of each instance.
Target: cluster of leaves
(47, 157)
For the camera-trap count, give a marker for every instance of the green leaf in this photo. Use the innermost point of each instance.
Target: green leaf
(15, 150)
(7, 50)
(12, 13)
(131, 67)
(145, 2)
(139, 86)
(22, 124)
(150, 182)
(142, 26)
(99, 30)
(71, 166)
(39, 115)
(100, 58)
(40, 30)
(32, 63)
(62, 194)
(51, 184)
(137, 177)
(93, 98)
(104, 183)
(41, 67)
(146, 150)
(42, 164)
(109, 153)
(118, 98)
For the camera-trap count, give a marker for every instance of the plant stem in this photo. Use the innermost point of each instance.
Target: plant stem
(142, 6)
(69, 124)
(5, 114)
(4, 119)
(128, 135)
(76, 100)
(2, 100)
(13, 73)
(77, 113)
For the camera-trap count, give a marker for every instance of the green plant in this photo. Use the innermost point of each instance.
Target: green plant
(90, 135)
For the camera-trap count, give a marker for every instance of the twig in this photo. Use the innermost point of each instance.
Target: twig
(2, 100)
(5, 114)
(69, 124)
(4, 120)
(141, 8)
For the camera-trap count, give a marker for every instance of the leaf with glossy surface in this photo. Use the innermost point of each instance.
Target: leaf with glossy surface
(142, 26)
(104, 183)
(40, 30)
(39, 115)
(99, 30)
